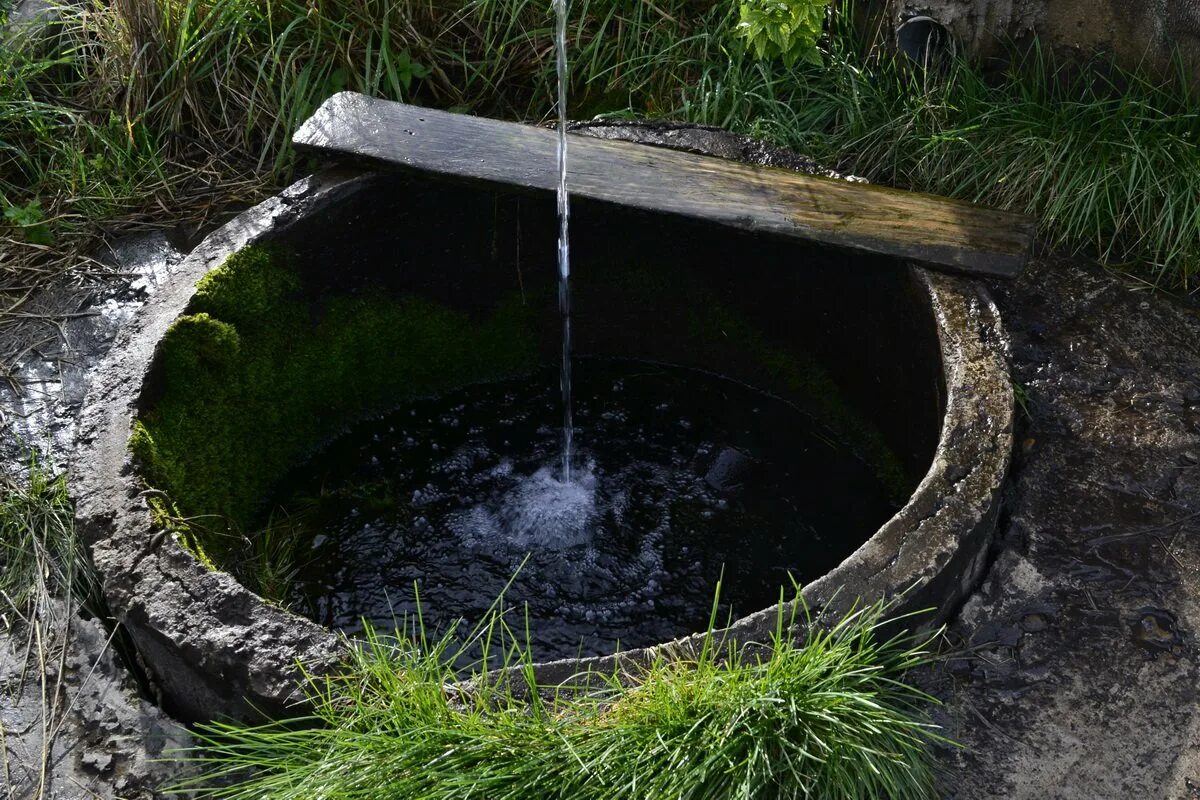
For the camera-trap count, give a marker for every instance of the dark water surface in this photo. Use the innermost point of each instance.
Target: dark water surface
(679, 476)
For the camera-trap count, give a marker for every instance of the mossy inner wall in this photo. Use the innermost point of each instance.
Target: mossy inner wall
(410, 288)
(257, 374)
(669, 317)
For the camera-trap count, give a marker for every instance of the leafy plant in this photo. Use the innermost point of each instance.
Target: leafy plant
(407, 70)
(786, 29)
(1021, 398)
(29, 218)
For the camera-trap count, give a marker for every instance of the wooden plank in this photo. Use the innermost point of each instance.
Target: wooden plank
(945, 233)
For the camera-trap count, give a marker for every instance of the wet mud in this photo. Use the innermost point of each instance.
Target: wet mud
(85, 728)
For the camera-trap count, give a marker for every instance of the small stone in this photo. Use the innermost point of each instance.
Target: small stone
(729, 470)
(1155, 630)
(97, 761)
(1034, 623)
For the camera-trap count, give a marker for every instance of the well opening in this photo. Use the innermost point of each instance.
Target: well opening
(360, 292)
(409, 291)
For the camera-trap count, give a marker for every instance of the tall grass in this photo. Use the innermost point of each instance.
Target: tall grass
(143, 111)
(139, 112)
(159, 87)
(828, 719)
(76, 162)
(1103, 159)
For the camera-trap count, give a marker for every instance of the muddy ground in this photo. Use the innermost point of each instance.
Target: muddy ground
(75, 724)
(1075, 674)
(1079, 676)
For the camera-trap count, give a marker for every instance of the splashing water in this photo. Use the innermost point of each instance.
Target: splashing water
(540, 510)
(564, 253)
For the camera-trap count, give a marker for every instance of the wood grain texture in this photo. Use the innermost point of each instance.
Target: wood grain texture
(944, 233)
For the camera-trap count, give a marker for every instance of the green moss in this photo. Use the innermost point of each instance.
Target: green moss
(256, 377)
(156, 468)
(247, 288)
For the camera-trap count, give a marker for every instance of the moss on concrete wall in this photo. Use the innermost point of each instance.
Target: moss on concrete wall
(798, 377)
(256, 376)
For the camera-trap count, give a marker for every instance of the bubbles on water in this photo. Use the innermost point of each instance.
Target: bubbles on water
(630, 549)
(541, 511)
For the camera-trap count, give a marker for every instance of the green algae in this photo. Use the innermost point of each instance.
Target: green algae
(256, 376)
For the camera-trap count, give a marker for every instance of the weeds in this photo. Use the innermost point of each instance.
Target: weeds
(1021, 397)
(829, 719)
(1104, 160)
(46, 578)
(41, 556)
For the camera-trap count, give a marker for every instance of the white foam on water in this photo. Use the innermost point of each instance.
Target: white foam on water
(540, 511)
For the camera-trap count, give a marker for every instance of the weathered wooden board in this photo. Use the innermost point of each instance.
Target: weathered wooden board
(933, 230)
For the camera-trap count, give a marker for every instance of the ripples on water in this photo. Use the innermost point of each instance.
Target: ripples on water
(685, 476)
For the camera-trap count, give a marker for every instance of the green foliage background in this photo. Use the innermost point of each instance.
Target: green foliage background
(785, 29)
(161, 111)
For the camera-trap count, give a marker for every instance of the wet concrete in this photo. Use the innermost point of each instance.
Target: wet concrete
(51, 351)
(1078, 676)
(82, 727)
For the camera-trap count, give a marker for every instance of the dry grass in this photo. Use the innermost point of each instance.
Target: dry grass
(45, 580)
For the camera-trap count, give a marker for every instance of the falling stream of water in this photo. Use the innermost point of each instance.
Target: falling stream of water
(564, 251)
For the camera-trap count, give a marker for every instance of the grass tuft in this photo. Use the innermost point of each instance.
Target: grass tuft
(829, 719)
(41, 556)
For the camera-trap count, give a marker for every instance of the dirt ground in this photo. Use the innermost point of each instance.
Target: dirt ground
(1078, 676)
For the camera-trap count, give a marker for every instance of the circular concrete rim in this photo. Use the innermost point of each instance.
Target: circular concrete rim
(213, 648)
